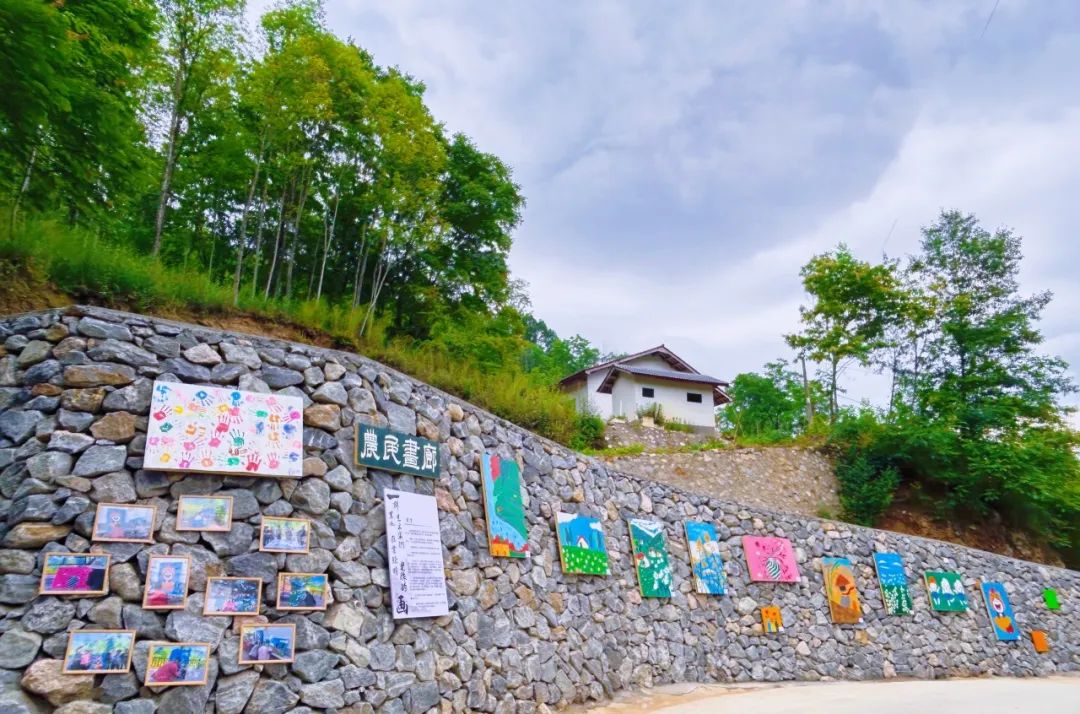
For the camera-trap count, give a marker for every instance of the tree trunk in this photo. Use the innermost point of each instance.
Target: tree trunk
(258, 241)
(329, 239)
(277, 242)
(240, 243)
(22, 190)
(170, 160)
(806, 392)
(291, 257)
(361, 266)
(832, 391)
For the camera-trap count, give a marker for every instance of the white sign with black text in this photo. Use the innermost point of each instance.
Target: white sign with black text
(414, 553)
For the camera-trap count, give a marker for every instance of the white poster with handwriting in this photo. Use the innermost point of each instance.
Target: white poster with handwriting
(414, 553)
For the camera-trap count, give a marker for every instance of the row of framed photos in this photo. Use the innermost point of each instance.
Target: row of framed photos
(170, 664)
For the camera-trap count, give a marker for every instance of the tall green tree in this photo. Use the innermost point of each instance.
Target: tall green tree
(771, 405)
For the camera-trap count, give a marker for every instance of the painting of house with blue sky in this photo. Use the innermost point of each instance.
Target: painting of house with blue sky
(581, 544)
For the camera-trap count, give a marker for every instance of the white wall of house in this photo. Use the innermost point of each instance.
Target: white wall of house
(585, 395)
(624, 397)
(672, 395)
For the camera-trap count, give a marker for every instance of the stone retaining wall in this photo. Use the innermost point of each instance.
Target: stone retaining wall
(521, 636)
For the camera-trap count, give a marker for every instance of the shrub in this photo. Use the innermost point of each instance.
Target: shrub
(676, 425)
(866, 489)
(588, 432)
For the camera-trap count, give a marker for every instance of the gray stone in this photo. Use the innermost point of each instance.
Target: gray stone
(339, 478)
(401, 418)
(226, 373)
(186, 371)
(162, 346)
(314, 665)
(125, 352)
(48, 465)
(115, 487)
(239, 354)
(17, 561)
(41, 372)
(38, 507)
(331, 393)
(134, 398)
(92, 327)
(280, 377)
(323, 695)
(138, 706)
(49, 615)
(202, 354)
(75, 420)
(100, 460)
(118, 687)
(35, 351)
(244, 503)
(18, 648)
(309, 636)
(69, 442)
(74, 506)
(148, 624)
(253, 565)
(189, 699)
(107, 613)
(182, 626)
(234, 691)
(271, 697)
(421, 697)
(234, 542)
(312, 496)
(19, 425)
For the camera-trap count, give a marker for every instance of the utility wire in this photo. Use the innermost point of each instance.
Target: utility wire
(988, 19)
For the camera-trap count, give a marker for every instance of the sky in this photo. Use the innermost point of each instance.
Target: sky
(682, 160)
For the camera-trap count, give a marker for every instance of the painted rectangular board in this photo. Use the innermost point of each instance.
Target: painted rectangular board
(284, 535)
(705, 560)
(1050, 597)
(123, 523)
(582, 550)
(391, 451)
(267, 644)
(166, 582)
(302, 591)
(893, 581)
(770, 559)
(1002, 619)
(841, 591)
(204, 513)
(1040, 641)
(174, 664)
(99, 651)
(650, 558)
(75, 574)
(232, 596)
(946, 591)
(772, 620)
(508, 533)
(414, 555)
(199, 429)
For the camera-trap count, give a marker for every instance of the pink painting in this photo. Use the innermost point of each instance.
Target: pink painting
(770, 559)
(217, 430)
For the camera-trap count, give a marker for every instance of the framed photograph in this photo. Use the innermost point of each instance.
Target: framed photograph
(99, 651)
(75, 574)
(123, 523)
(267, 644)
(173, 664)
(166, 582)
(204, 513)
(285, 535)
(233, 596)
(302, 591)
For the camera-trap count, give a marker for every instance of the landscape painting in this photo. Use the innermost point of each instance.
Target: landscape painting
(1002, 619)
(772, 621)
(650, 558)
(893, 582)
(770, 559)
(285, 535)
(705, 560)
(171, 664)
(75, 574)
(946, 591)
(99, 651)
(123, 523)
(166, 582)
(204, 513)
(508, 533)
(302, 591)
(581, 544)
(232, 596)
(840, 590)
(267, 644)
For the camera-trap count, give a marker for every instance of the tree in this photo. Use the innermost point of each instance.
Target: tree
(769, 406)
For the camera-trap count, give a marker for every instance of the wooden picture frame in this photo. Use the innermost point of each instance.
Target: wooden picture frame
(181, 526)
(102, 514)
(76, 573)
(152, 671)
(232, 613)
(269, 520)
(245, 629)
(147, 591)
(325, 592)
(80, 634)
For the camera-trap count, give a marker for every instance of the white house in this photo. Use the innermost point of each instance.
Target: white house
(619, 388)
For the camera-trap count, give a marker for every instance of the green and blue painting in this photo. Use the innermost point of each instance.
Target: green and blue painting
(508, 534)
(650, 558)
(705, 560)
(581, 544)
(893, 581)
(946, 591)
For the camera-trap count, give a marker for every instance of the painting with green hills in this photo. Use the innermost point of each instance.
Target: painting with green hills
(581, 544)
(508, 533)
(650, 558)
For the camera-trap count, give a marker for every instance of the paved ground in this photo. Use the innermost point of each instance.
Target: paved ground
(1055, 695)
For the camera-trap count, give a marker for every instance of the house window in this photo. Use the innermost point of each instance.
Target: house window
(693, 397)
(647, 392)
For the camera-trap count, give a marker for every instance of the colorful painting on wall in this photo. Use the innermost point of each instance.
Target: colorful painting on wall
(772, 621)
(302, 591)
(123, 523)
(284, 535)
(770, 559)
(1002, 619)
(232, 596)
(650, 558)
(946, 591)
(173, 664)
(893, 581)
(204, 513)
(1050, 597)
(267, 644)
(581, 544)
(75, 574)
(193, 428)
(705, 560)
(99, 651)
(841, 591)
(508, 534)
(1040, 641)
(166, 582)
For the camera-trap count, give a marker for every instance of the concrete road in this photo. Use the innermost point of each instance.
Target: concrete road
(1054, 695)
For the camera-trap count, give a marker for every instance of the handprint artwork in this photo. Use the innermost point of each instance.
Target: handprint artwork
(217, 430)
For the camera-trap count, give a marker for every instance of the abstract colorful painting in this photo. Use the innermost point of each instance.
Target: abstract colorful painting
(508, 534)
(204, 513)
(75, 574)
(166, 582)
(581, 544)
(772, 621)
(705, 560)
(123, 523)
(1040, 641)
(232, 596)
(302, 591)
(770, 559)
(650, 558)
(284, 535)
(173, 664)
(946, 591)
(266, 644)
(99, 651)
(1050, 597)
(893, 581)
(1002, 619)
(193, 428)
(840, 590)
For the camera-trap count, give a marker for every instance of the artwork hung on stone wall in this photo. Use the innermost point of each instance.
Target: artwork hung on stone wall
(232, 596)
(204, 513)
(414, 558)
(650, 558)
(705, 560)
(1050, 597)
(840, 590)
(772, 621)
(504, 506)
(946, 591)
(582, 550)
(75, 574)
(302, 591)
(1040, 641)
(195, 428)
(99, 651)
(167, 582)
(172, 664)
(284, 535)
(1002, 619)
(380, 448)
(123, 523)
(267, 644)
(893, 581)
(770, 559)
